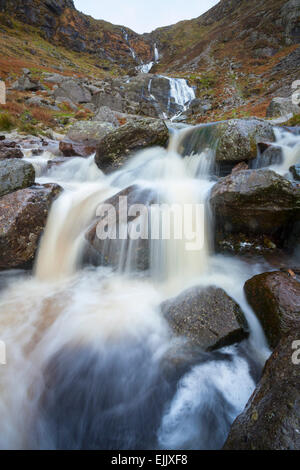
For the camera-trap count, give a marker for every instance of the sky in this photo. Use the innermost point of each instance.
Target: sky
(143, 16)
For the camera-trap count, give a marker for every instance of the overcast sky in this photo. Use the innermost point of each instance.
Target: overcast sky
(144, 15)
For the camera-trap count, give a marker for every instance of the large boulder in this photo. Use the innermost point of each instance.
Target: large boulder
(117, 146)
(73, 90)
(83, 137)
(271, 420)
(233, 141)
(15, 174)
(125, 254)
(282, 107)
(208, 317)
(275, 298)
(23, 216)
(252, 204)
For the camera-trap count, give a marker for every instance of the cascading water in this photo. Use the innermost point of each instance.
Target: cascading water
(95, 363)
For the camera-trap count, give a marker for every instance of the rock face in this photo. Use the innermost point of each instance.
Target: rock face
(83, 137)
(116, 147)
(120, 253)
(252, 204)
(275, 298)
(60, 22)
(271, 420)
(208, 317)
(23, 216)
(14, 175)
(282, 107)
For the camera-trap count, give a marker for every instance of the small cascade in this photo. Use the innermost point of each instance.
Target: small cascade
(289, 143)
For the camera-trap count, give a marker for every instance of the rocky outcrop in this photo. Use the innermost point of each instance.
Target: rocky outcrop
(271, 420)
(60, 22)
(208, 317)
(83, 138)
(252, 204)
(26, 83)
(23, 216)
(117, 146)
(116, 251)
(275, 298)
(282, 107)
(14, 175)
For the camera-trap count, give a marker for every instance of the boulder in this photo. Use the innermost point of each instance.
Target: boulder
(271, 419)
(23, 216)
(275, 298)
(117, 146)
(73, 90)
(255, 204)
(119, 253)
(83, 137)
(26, 83)
(14, 175)
(234, 141)
(282, 107)
(208, 317)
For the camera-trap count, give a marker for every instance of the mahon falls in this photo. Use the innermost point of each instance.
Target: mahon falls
(150, 230)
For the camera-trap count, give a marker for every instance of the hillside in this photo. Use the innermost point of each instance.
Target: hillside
(237, 56)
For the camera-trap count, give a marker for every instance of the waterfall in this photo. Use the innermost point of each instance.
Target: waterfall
(181, 92)
(156, 54)
(91, 362)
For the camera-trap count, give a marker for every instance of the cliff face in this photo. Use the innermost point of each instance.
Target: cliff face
(59, 21)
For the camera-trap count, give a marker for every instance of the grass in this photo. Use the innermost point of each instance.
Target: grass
(7, 122)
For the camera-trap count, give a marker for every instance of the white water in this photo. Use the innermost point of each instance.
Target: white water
(181, 92)
(93, 341)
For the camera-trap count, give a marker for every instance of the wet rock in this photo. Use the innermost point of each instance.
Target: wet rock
(234, 141)
(73, 90)
(83, 137)
(117, 146)
(282, 107)
(268, 155)
(238, 139)
(124, 254)
(240, 167)
(295, 170)
(10, 152)
(275, 298)
(255, 203)
(23, 216)
(271, 419)
(208, 317)
(14, 175)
